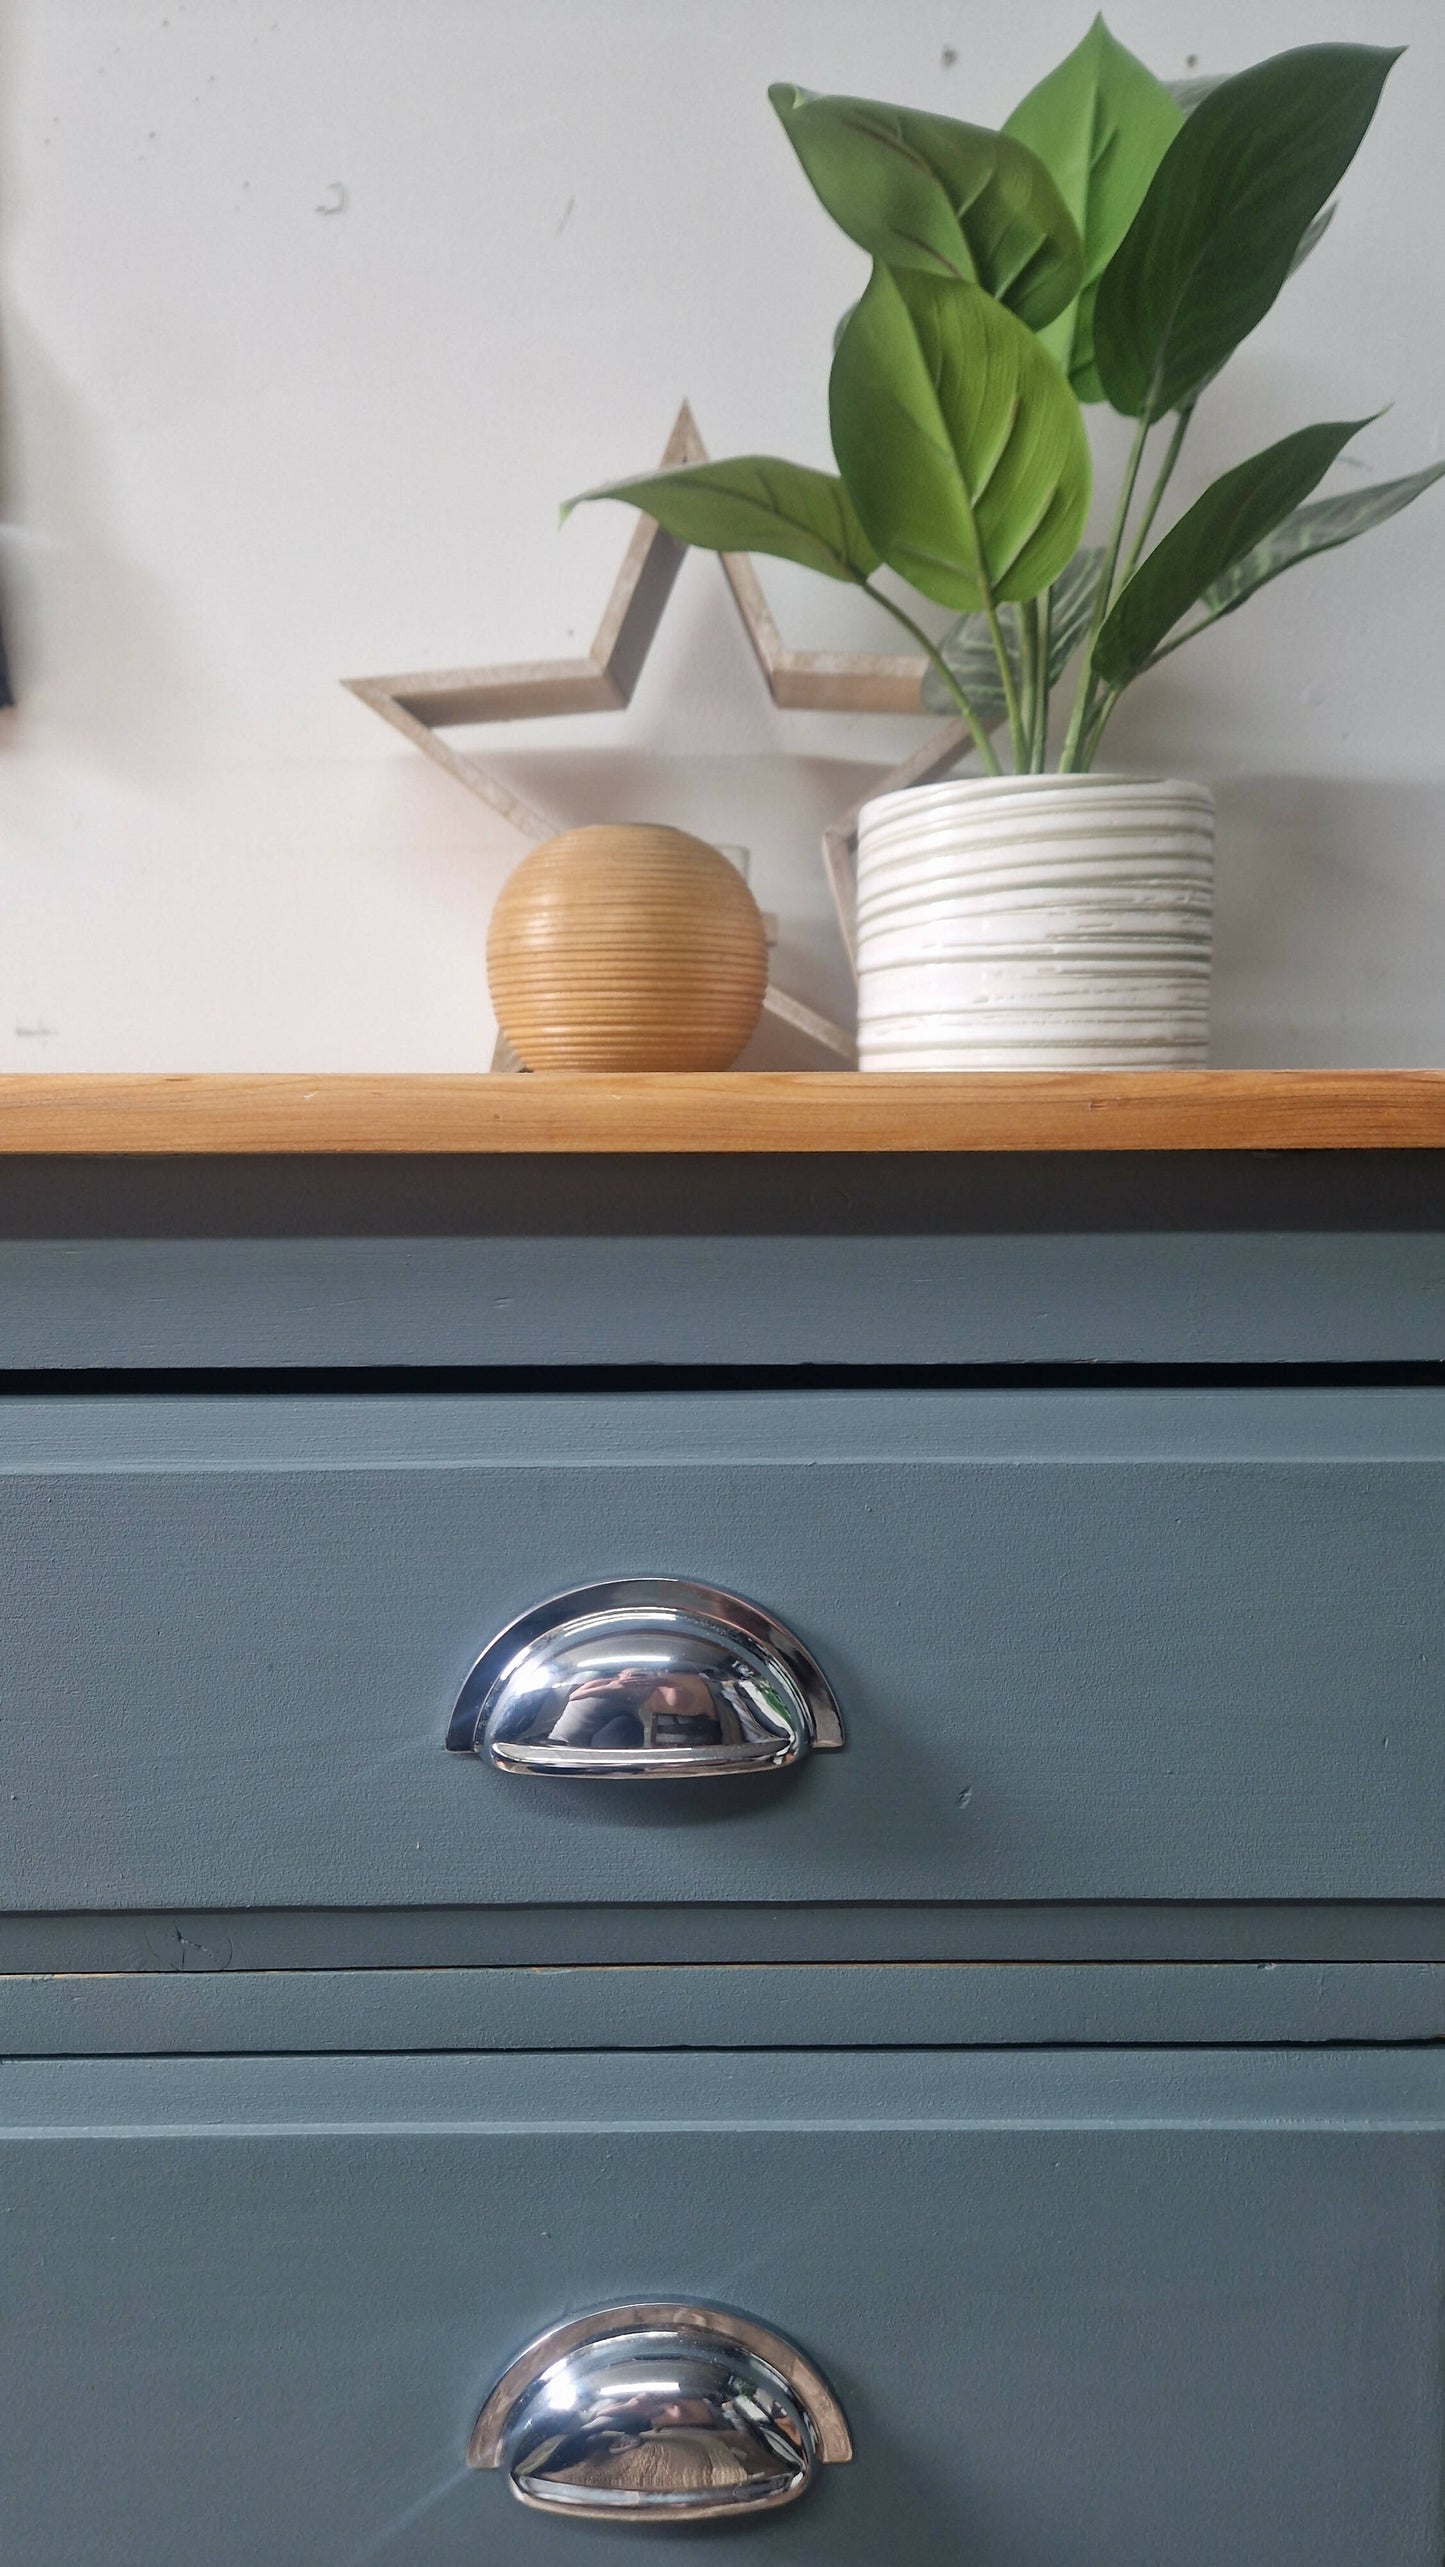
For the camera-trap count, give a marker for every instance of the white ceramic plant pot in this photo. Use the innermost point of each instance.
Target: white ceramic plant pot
(1046, 922)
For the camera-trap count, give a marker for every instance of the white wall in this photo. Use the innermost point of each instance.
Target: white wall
(252, 446)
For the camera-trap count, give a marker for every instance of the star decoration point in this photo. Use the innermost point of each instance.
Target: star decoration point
(423, 705)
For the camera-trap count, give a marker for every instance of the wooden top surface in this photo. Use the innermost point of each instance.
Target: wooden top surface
(829, 1111)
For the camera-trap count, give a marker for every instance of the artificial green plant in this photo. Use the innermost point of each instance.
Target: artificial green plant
(1113, 243)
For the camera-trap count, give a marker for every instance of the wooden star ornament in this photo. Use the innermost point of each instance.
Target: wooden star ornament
(423, 705)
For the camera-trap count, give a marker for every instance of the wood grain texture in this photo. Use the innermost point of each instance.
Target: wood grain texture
(723, 1111)
(626, 947)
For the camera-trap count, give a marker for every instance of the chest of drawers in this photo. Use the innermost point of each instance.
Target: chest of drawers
(1019, 2134)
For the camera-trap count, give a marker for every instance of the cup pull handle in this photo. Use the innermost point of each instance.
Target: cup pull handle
(657, 2412)
(644, 1680)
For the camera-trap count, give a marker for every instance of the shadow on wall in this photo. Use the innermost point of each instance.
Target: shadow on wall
(7, 450)
(1330, 923)
(99, 650)
(93, 645)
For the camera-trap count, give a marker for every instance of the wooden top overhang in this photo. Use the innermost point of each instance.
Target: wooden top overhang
(730, 1113)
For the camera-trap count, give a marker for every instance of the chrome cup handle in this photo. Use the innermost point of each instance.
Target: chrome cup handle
(659, 2412)
(644, 1680)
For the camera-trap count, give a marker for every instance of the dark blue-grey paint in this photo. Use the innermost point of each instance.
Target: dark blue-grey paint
(1187, 1258)
(1220, 1299)
(1083, 2309)
(1090, 1646)
(792, 2006)
(1332, 1933)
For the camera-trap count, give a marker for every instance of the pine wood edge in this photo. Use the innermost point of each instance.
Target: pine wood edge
(123, 1116)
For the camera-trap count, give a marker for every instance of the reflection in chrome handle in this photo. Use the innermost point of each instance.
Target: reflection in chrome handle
(644, 1680)
(660, 2412)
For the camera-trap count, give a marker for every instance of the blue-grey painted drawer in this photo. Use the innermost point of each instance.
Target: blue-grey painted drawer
(1089, 1645)
(1095, 2310)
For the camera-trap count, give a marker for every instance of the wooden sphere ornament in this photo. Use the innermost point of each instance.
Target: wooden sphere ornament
(627, 947)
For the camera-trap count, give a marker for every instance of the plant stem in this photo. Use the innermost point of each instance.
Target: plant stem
(1039, 613)
(1010, 691)
(1166, 648)
(981, 740)
(1098, 727)
(1161, 484)
(1028, 630)
(1030, 678)
(1103, 595)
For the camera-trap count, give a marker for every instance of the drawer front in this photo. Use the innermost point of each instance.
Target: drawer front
(1108, 1646)
(1098, 2309)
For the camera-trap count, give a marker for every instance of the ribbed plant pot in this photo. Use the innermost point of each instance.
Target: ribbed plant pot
(1041, 922)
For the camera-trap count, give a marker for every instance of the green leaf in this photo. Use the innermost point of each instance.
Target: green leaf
(959, 440)
(1223, 219)
(921, 191)
(1234, 514)
(1318, 528)
(1100, 124)
(1187, 94)
(755, 504)
(967, 646)
(1311, 237)
(1073, 605)
(1310, 240)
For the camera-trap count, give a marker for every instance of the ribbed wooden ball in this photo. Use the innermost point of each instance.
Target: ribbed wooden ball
(626, 947)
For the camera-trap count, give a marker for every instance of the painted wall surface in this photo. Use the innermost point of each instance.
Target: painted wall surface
(310, 313)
